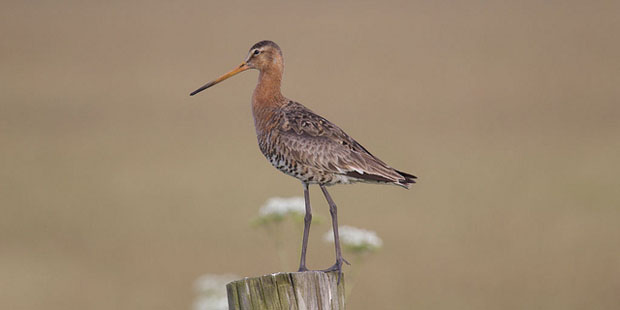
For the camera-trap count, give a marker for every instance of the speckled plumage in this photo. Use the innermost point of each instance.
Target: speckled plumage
(306, 146)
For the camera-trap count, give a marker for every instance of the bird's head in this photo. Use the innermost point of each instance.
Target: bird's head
(264, 56)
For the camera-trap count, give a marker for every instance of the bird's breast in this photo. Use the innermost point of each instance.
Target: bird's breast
(289, 162)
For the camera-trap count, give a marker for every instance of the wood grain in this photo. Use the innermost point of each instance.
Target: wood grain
(295, 290)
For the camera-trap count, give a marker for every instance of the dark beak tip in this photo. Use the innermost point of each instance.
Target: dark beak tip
(199, 90)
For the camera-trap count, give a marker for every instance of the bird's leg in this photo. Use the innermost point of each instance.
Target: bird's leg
(334, 212)
(307, 221)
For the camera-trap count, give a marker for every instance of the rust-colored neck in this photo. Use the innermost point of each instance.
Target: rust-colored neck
(267, 91)
(267, 96)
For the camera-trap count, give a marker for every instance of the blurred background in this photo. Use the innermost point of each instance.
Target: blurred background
(118, 190)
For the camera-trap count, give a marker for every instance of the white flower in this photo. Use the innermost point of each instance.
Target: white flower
(213, 283)
(281, 207)
(211, 289)
(211, 303)
(356, 239)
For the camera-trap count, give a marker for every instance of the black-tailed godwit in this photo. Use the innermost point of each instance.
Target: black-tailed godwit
(305, 145)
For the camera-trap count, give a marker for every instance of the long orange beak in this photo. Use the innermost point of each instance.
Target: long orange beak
(242, 67)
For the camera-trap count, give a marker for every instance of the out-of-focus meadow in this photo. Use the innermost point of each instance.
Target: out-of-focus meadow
(118, 190)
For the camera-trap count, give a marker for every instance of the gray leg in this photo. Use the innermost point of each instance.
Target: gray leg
(307, 221)
(334, 212)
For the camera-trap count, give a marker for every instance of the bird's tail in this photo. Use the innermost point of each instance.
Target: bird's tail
(407, 179)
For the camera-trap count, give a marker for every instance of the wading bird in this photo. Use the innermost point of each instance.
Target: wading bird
(305, 145)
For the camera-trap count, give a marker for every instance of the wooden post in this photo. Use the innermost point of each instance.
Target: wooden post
(308, 290)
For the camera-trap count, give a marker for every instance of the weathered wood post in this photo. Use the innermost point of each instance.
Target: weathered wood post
(308, 290)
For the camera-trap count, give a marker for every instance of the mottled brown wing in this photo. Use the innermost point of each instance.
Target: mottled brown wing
(312, 140)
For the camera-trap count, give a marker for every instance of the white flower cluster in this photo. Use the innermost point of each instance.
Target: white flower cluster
(356, 239)
(211, 289)
(277, 206)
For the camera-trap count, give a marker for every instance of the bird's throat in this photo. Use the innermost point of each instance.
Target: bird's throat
(267, 98)
(267, 91)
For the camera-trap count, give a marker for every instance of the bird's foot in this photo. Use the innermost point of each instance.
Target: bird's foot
(337, 267)
(302, 269)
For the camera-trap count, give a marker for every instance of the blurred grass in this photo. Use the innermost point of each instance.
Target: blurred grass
(117, 189)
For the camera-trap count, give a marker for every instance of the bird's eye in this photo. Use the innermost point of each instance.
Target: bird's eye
(256, 52)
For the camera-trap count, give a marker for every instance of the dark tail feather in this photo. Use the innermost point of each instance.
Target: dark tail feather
(407, 180)
(369, 177)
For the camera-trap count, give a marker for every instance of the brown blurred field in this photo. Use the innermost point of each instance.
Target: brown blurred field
(117, 190)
